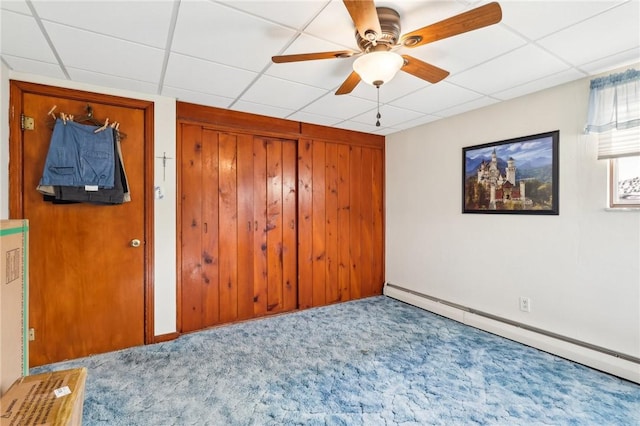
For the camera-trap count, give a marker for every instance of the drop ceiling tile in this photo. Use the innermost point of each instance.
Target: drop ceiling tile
(335, 25)
(34, 67)
(185, 72)
(538, 19)
(459, 53)
(342, 106)
(227, 36)
(417, 122)
(261, 109)
(512, 69)
(357, 126)
(622, 59)
(541, 84)
(418, 14)
(325, 73)
(20, 36)
(138, 21)
(108, 80)
(390, 116)
(93, 52)
(436, 97)
(281, 93)
(321, 120)
(467, 106)
(292, 13)
(614, 31)
(196, 97)
(19, 6)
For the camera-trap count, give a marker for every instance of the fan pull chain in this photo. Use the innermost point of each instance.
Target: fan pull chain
(378, 114)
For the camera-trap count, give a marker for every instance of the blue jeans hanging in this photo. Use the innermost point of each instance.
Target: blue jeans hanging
(79, 157)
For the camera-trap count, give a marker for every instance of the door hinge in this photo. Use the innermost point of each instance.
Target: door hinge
(26, 123)
(32, 334)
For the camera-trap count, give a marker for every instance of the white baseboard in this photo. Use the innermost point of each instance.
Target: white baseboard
(601, 361)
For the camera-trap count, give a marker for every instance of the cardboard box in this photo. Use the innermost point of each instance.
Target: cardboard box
(14, 301)
(53, 399)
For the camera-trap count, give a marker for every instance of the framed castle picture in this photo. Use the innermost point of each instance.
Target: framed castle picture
(515, 176)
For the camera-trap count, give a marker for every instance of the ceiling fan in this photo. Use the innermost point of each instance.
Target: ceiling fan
(378, 36)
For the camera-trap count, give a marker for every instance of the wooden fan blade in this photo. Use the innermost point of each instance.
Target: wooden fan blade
(365, 17)
(422, 70)
(474, 19)
(349, 84)
(312, 56)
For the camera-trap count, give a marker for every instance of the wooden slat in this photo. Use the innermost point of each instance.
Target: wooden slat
(319, 224)
(191, 221)
(366, 222)
(332, 134)
(344, 238)
(331, 230)
(305, 224)
(378, 224)
(228, 225)
(274, 225)
(209, 251)
(259, 227)
(355, 189)
(290, 229)
(246, 245)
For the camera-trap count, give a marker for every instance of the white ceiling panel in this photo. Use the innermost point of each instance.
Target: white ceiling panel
(218, 53)
(90, 51)
(534, 21)
(510, 70)
(185, 72)
(143, 22)
(221, 34)
(20, 36)
(616, 30)
(294, 95)
(343, 106)
(109, 80)
(292, 13)
(436, 97)
(196, 97)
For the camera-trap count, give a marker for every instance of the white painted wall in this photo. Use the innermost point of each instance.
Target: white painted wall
(581, 269)
(165, 209)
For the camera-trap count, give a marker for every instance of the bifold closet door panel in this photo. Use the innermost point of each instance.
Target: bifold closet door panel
(239, 227)
(340, 222)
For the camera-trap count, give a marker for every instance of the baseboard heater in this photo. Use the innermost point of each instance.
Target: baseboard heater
(580, 343)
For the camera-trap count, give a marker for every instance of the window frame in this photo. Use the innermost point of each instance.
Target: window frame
(614, 200)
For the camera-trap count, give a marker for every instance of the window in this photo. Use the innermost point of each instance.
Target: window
(624, 182)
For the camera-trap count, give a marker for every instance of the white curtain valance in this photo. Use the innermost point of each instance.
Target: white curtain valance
(614, 113)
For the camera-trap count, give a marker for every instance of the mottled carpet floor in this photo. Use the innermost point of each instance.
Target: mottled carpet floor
(374, 361)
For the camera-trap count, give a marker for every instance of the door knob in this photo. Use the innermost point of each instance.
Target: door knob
(135, 243)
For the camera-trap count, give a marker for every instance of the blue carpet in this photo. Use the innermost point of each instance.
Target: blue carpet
(375, 361)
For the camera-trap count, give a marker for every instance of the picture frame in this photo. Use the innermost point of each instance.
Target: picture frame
(514, 176)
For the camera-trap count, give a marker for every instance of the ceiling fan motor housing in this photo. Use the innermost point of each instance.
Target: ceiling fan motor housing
(390, 25)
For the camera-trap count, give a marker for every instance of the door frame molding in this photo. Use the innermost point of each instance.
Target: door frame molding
(16, 166)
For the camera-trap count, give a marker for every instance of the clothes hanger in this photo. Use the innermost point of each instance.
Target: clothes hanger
(87, 117)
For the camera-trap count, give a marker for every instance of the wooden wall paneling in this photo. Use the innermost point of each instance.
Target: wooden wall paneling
(331, 231)
(191, 230)
(246, 245)
(208, 190)
(366, 223)
(344, 236)
(290, 228)
(305, 224)
(260, 265)
(274, 225)
(355, 189)
(228, 226)
(319, 223)
(378, 224)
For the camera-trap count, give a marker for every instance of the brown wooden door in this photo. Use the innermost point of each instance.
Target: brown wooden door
(238, 226)
(87, 283)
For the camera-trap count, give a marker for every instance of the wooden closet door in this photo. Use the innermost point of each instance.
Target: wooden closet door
(238, 227)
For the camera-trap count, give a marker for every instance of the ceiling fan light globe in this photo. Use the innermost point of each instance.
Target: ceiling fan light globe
(378, 66)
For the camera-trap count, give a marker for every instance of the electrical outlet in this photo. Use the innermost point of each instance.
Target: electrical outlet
(525, 304)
